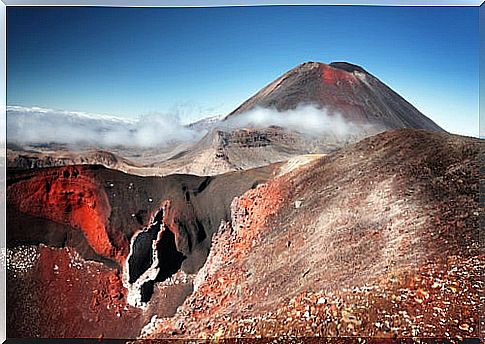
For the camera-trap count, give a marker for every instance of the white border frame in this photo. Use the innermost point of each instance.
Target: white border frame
(184, 3)
(226, 3)
(3, 163)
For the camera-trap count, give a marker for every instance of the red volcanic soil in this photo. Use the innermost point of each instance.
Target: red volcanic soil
(380, 239)
(256, 206)
(332, 75)
(54, 292)
(61, 295)
(91, 213)
(72, 198)
(109, 206)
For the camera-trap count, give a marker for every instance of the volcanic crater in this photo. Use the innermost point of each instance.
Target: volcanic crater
(142, 229)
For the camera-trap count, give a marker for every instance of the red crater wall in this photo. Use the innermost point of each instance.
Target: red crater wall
(73, 197)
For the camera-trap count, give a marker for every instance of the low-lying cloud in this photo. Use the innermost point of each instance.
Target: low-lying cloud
(308, 119)
(33, 125)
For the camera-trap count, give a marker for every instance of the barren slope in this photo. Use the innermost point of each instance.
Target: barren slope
(222, 150)
(378, 239)
(138, 161)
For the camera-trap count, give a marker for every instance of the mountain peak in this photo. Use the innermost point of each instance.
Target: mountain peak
(341, 65)
(311, 64)
(343, 88)
(348, 67)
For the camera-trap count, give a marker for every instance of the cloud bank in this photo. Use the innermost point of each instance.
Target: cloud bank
(34, 125)
(308, 119)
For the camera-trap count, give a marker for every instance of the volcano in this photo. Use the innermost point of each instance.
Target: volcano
(340, 91)
(343, 88)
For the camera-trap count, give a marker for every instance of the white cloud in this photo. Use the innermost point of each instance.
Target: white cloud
(40, 125)
(35, 125)
(309, 119)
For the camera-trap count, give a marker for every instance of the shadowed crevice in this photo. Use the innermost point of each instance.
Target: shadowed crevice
(154, 258)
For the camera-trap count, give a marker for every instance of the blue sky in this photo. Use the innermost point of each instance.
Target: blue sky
(197, 62)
